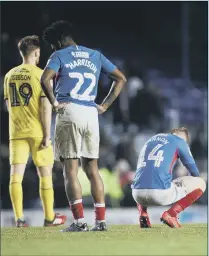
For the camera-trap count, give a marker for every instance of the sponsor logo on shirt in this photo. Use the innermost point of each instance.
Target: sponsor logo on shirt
(80, 54)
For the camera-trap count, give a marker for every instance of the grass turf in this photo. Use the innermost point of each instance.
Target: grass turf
(118, 240)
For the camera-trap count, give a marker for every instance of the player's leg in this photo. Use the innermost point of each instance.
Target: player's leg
(90, 154)
(68, 138)
(144, 220)
(187, 190)
(141, 202)
(90, 167)
(74, 193)
(19, 153)
(44, 159)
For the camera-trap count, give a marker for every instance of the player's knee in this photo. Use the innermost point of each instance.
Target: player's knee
(16, 178)
(18, 169)
(46, 182)
(44, 171)
(201, 184)
(90, 167)
(92, 174)
(69, 174)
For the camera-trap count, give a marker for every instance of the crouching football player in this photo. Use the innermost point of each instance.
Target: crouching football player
(153, 183)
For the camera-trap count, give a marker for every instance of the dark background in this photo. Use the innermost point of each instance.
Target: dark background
(150, 31)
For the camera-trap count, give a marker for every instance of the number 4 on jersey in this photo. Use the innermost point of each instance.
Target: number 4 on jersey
(153, 155)
(156, 156)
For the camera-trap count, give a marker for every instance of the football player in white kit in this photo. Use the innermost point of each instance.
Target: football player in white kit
(77, 70)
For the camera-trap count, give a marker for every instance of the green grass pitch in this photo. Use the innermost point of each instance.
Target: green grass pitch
(118, 240)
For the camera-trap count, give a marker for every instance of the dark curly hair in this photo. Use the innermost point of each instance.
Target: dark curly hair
(57, 31)
(28, 44)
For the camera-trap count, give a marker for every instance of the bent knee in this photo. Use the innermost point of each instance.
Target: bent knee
(93, 175)
(201, 184)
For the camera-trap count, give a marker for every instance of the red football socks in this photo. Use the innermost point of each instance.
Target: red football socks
(77, 210)
(142, 209)
(185, 202)
(99, 210)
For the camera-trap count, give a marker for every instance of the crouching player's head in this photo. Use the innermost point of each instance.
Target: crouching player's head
(181, 132)
(29, 48)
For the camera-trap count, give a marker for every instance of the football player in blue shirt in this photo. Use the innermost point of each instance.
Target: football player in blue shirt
(153, 183)
(77, 70)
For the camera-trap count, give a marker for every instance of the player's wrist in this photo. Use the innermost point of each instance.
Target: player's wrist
(55, 104)
(105, 106)
(47, 137)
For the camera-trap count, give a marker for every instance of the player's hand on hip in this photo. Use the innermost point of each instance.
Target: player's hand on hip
(101, 109)
(46, 142)
(60, 108)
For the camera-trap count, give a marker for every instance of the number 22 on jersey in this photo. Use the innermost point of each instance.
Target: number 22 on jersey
(155, 155)
(81, 79)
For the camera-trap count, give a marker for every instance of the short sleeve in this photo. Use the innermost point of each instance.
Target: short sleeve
(107, 66)
(5, 88)
(42, 93)
(184, 152)
(38, 74)
(54, 62)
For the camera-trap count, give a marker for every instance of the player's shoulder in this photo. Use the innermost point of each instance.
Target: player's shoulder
(55, 54)
(90, 51)
(36, 71)
(87, 49)
(11, 71)
(177, 140)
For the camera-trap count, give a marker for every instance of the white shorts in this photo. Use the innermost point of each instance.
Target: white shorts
(77, 132)
(179, 188)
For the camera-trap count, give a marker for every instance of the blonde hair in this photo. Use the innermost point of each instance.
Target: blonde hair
(28, 44)
(181, 129)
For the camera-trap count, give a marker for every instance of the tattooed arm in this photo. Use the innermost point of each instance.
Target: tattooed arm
(117, 86)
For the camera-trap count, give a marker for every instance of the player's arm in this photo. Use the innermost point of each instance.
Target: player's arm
(6, 92)
(49, 73)
(46, 78)
(46, 113)
(119, 81)
(187, 159)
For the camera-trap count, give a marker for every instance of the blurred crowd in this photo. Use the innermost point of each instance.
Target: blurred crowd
(152, 102)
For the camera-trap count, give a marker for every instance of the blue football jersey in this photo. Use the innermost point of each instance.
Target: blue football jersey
(78, 69)
(157, 159)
